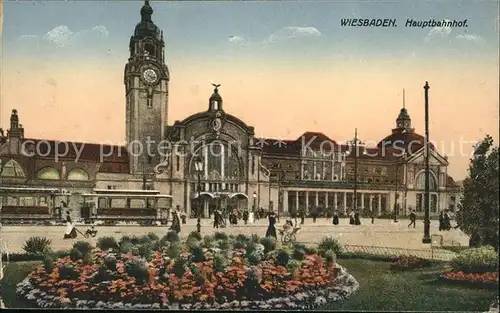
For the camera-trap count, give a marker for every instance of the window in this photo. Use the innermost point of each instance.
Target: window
(26, 201)
(78, 174)
(433, 203)
(178, 161)
(12, 201)
(42, 201)
(420, 181)
(48, 173)
(11, 169)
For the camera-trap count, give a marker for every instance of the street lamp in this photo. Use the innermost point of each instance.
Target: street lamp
(396, 195)
(198, 166)
(427, 222)
(356, 143)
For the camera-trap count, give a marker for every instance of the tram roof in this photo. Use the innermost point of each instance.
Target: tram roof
(125, 195)
(31, 189)
(127, 191)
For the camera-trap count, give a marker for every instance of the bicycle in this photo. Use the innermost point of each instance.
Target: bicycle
(288, 237)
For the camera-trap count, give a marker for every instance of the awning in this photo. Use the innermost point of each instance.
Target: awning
(238, 195)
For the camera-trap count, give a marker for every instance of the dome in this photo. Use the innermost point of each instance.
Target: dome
(410, 141)
(146, 27)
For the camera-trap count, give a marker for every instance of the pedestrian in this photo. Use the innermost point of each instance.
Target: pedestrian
(314, 214)
(198, 226)
(373, 216)
(357, 220)
(446, 220)
(335, 220)
(216, 218)
(441, 221)
(70, 228)
(176, 223)
(413, 218)
(245, 217)
(271, 229)
(351, 218)
(302, 216)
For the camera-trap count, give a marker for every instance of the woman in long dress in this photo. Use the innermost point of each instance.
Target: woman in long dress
(176, 222)
(351, 218)
(70, 232)
(271, 229)
(335, 220)
(357, 221)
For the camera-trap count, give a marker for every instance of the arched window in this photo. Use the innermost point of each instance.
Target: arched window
(48, 173)
(420, 181)
(221, 161)
(12, 169)
(78, 174)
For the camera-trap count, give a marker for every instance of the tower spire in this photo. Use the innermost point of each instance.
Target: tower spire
(404, 105)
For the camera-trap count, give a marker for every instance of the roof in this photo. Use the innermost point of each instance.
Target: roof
(404, 139)
(114, 158)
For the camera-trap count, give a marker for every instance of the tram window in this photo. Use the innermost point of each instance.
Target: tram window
(12, 201)
(42, 201)
(3, 200)
(118, 203)
(26, 201)
(137, 203)
(162, 203)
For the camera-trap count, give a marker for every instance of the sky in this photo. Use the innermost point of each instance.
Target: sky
(285, 67)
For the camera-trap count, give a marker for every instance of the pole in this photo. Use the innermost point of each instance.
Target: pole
(143, 175)
(258, 182)
(199, 195)
(355, 195)
(427, 222)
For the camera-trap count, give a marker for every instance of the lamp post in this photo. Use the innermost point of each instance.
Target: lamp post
(427, 222)
(198, 166)
(355, 191)
(254, 202)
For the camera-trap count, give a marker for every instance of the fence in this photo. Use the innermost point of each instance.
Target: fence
(430, 254)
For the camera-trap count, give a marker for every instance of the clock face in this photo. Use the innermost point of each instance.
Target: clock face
(150, 76)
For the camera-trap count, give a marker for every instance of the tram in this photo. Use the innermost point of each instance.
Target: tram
(30, 204)
(125, 205)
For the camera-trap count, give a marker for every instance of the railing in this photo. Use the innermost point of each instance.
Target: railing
(430, 254)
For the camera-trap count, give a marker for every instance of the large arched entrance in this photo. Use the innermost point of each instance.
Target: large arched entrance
(220, 182)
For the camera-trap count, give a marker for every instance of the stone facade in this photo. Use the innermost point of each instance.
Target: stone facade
(237, 169)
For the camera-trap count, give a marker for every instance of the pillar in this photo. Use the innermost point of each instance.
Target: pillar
(345, 202)
(307, 201)
(379, 203)
(316, 202)
(362, 201)
(371, 202)
(297, 201)
(326, 199)
(285, 208)
(335, 202)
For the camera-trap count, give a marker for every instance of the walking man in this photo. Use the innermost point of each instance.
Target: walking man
(413, 217)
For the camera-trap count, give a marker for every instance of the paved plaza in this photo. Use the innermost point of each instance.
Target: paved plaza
(383, 233)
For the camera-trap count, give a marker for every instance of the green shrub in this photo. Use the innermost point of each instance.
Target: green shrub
(106, 243)
(137, 269)
(68, 272)
(48, 264)
(83, 246)
(241, 238)
(88, 259)
(195, 235)
(269, 244)
(298, 254)
(179, 267)
(192, 242)
(75, 254)
(476, 260)
(330, 256)
(60, 254)
(254, 258)
(124, 239)
(38, 246)
(254, 238)
(197, 254)
(208, 242)
(282, 258)
(330, 243)
(239, 245)
(171, 236)
(126, 247)
(293, 265)
(145, 250)
(310, 250)
(220, 263)
(153, 237)
(173, 251)
(220, 236)
(110, 262)
(223, 244)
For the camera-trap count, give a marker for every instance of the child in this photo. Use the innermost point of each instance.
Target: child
(198, 226)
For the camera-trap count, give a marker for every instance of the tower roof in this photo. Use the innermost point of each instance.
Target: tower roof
(146, 27)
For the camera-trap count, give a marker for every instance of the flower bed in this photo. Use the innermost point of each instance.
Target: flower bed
(410, 262)
(197, 274)
(489, 279)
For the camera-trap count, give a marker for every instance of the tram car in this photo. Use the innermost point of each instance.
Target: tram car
(28, 205)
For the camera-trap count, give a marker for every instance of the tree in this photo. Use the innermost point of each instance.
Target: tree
(478, 207)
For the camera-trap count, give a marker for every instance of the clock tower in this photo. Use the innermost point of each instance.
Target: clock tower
(146, 86)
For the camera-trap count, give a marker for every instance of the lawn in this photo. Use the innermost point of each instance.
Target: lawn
(380, 289)
(419, 290)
